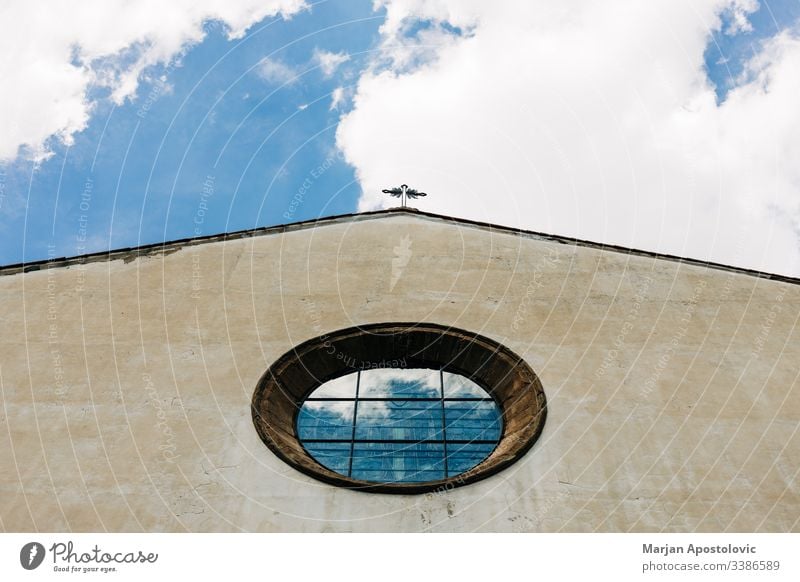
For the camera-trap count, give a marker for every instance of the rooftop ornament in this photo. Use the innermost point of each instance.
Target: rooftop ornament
(404, 192)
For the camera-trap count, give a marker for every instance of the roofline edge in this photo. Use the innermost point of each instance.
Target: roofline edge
(167, 247)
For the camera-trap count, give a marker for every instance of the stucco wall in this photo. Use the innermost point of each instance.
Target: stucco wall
(673, 400)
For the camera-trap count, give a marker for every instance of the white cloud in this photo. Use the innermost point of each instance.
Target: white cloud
(328, 62)
(337, 98)
(587, 119)
(386, 382)
(53, 52)
(276, 72)
(739, 12)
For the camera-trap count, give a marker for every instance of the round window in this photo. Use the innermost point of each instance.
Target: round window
(399, 407)
(399, 425)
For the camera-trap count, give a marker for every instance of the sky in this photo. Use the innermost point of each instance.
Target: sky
(669, 125)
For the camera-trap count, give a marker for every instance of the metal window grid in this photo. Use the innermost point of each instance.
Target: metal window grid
(444, 441)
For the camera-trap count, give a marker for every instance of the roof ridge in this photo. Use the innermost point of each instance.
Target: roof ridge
(130, 253)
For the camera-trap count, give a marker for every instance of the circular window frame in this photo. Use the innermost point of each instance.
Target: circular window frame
(504, 375)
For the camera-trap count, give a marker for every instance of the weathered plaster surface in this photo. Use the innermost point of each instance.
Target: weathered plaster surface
(673, 391)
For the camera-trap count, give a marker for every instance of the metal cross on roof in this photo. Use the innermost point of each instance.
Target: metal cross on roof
(403, 192)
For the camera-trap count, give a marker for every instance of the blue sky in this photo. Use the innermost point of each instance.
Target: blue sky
(726, 54)
(221, 142)
(139, 172)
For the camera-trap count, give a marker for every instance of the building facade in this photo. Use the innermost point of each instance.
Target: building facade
(128, 381)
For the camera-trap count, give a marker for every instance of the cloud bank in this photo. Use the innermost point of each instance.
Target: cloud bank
(586, 119)
(56, 55)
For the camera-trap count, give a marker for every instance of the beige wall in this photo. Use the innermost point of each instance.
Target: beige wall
(673, 389)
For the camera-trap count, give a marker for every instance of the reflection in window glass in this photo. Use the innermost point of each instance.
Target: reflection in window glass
(398, 462)
(335, 456)
(399, 425)
(471, 420)
(456, 386)
(399, 383)
(399, 420)
(325, 421)
(342, 387)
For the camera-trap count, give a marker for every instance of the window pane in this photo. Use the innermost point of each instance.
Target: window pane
(462, 457)
(395, 436)
(325, 420)
(399, 383)
(398, 463)
(472, 420)
(399, 420)
(334, 456)
(342, 387)
(456, 386)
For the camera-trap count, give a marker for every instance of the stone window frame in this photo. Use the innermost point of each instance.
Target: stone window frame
(284, 387)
